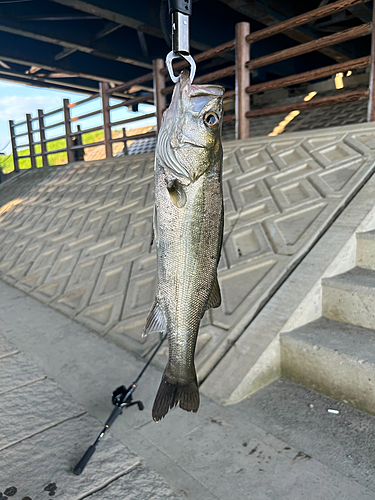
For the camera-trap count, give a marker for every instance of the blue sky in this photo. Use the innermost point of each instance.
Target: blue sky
(17, 99)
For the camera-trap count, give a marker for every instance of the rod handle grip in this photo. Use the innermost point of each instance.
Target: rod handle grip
(78, 469)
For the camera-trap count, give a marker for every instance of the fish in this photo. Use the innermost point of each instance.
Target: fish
(188, 231)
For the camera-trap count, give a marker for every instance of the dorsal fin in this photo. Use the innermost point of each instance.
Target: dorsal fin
(155, 320)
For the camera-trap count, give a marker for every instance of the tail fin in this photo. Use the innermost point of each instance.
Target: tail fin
(169, 395)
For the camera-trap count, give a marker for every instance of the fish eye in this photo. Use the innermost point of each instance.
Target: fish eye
(211, 119)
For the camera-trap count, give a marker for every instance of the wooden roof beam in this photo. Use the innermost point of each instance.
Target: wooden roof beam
(110, 27)
(36, 81)
(66, 51)
(48, 35)
(252, 11)
(41, 54)
(362, 12)
(123, 19)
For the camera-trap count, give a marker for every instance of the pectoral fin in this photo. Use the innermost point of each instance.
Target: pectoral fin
(215, 297)
(177, 193)
(155, 321)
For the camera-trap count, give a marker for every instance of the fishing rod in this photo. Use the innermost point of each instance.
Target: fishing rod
(122, 397)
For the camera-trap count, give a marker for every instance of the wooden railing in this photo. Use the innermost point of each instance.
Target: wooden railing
(244, 62)
(73, 138)
(234, 69)
(31, 143)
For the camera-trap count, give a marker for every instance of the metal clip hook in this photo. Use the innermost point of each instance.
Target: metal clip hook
(171, 56)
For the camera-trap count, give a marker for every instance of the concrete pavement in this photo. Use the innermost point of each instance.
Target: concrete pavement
(281, 443)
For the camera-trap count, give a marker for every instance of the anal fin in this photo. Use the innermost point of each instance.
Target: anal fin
(215, 297)
(155, 321)
(154, 231)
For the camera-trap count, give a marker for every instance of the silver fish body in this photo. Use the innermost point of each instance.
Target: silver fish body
(188, 227)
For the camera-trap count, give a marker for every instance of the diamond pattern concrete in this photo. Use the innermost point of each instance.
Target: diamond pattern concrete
(77, 237)
(334, 116)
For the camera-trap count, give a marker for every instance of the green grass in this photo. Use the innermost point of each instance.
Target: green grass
(7, 164)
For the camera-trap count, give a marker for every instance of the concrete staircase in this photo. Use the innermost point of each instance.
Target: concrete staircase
(335, 354)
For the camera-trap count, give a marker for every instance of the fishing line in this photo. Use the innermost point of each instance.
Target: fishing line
(6, 156)
(5, 160)
(6, 145)
(232, 227)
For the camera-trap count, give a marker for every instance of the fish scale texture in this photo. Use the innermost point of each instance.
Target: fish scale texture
(188, 245)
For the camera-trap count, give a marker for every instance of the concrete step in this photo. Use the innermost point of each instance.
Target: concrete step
(350, 297)
(333, 358)
(366, 250)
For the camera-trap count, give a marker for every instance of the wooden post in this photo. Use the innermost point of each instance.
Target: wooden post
(242, 81)
(371, 97)
(42, 135)
(106, 119)
(14, 146)
(126, 152)
(68, 131)
(79, 154)
(31, 140)
(159, 84)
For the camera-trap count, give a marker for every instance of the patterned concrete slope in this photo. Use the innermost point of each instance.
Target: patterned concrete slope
(336, 116)
(78, 239)
(134, 147)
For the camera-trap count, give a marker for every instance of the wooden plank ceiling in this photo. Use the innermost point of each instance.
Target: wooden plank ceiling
(75, 44)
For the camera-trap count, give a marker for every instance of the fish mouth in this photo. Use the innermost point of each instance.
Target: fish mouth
(210, 90)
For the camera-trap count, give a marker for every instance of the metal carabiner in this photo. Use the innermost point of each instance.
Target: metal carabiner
(171, 56)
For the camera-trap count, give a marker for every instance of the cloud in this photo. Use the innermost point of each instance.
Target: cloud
(15, 107)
